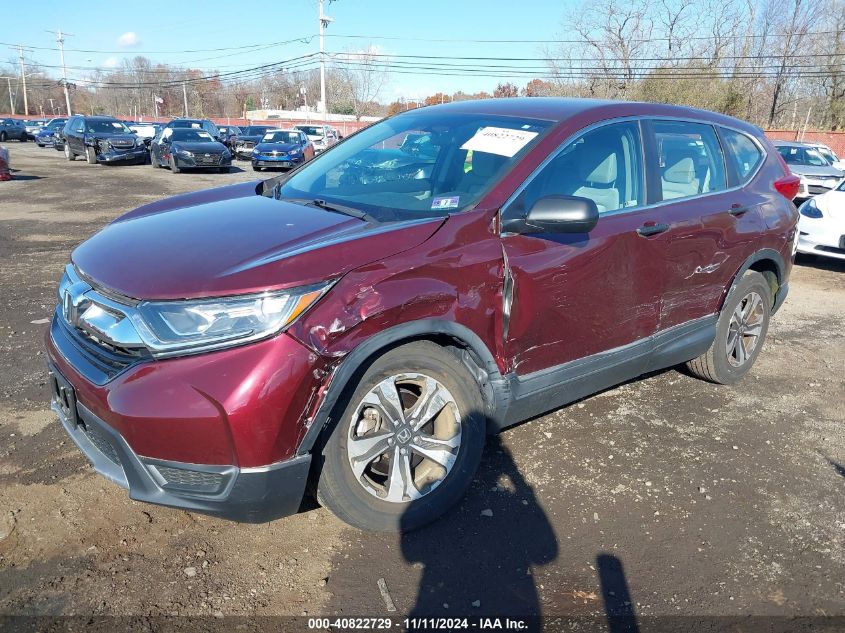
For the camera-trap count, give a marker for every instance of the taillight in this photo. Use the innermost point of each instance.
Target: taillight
(789, 185)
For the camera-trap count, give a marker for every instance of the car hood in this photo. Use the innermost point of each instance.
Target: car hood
(109, 135)
(198, 146)
(278, 147)
(231, 241)
(252, 137)
(811, 170)
(832, 203)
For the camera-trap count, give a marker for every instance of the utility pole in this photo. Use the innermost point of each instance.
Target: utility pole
(324, 22)
(60, 38)
(185, 98)
(11, 99)
(23, 79)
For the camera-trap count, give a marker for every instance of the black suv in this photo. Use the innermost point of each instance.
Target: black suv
(101, 139)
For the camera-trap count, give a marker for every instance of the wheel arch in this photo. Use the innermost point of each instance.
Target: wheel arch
(767, 262)
(454, 337)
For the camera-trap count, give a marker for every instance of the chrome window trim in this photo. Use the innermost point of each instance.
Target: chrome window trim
(639, 118)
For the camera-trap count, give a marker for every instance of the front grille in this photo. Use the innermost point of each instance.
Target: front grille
(192, 480)
(102, 443)
(122, 143)
(107, 359)
(207, 159)
(246, 145)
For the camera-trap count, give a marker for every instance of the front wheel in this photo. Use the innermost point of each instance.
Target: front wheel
(407, 443)
(154, 161)
(740, 332)
(91, 155)
(173, 166)
(2, 137)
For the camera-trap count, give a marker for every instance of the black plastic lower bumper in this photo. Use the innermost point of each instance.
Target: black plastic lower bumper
(249, 495)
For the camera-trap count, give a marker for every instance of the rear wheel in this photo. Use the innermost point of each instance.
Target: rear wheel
(740, 332)
(69, 154)
(407, 443)
(2, 137)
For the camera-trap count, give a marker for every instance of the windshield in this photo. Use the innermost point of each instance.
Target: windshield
(281, 137)
(256, 130)
(827, 154)
(193, 136)
(802, 156)
(417, 165)
(310, 130)
(107, 127)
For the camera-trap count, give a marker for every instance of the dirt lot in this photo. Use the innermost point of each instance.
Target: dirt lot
(680, 497)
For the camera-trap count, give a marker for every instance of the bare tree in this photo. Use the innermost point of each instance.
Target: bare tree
(362, 76)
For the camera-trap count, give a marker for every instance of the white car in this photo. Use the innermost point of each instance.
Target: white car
(322, 136)
(829, 154)
(821, 225)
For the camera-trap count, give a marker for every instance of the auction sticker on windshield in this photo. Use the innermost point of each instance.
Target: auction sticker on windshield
(451, 202)
(499, 140)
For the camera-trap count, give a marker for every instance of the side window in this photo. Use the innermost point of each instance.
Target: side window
(79, 126)
(690, 159)
(742, 153)
(604, 165)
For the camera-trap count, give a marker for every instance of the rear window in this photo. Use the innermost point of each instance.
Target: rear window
(691, 161)
(743, 154)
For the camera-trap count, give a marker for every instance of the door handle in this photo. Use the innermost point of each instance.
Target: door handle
(737, 210)
(652, 229)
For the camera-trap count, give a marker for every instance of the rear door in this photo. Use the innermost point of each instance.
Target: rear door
(713, 224)
(577, 295)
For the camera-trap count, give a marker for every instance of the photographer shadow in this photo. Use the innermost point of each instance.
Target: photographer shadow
(479, 559)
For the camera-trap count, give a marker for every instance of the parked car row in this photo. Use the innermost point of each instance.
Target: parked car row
(179, 144)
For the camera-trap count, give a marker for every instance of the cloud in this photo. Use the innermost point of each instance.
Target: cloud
(111, 62)
(129, 39)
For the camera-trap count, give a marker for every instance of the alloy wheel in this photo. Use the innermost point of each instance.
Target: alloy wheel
(404, 437)
(745, 328)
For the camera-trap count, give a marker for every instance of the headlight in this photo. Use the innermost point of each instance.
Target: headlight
(811, 210)
(255, 151)
(185, 152)
(172, 327)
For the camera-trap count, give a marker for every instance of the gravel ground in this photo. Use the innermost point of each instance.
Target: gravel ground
(664, 496)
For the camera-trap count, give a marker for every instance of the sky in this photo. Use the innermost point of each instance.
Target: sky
(163, 31)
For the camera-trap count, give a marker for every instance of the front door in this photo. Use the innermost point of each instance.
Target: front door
(575, 296)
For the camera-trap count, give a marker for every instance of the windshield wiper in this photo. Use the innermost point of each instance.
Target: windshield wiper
(334, 208)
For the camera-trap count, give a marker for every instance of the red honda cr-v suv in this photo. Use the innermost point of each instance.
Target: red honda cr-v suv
(362, 322)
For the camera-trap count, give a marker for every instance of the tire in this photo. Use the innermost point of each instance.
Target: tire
(69, 154)
(154, 161)
(40, 144)
(725, 363)
(256, 167)
(23, 139)
(2, 137)
(173, 166)
(90, 156)
(361, 501)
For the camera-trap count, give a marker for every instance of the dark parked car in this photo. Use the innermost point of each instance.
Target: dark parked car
(189, 148)
(249, 137)
(47, 134)
(101, 139)
(12, 129)
(282, 148)
(229, 135)
(219, 350)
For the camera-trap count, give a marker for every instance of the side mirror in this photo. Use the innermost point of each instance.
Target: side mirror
(556, 214)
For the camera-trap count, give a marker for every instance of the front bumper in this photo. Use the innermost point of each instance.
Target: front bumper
(264, 160)
(822, 236)
(120, 156)
(188, 162)
(250, 495)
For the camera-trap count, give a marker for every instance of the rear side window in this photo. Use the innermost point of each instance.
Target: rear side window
(603, 165)
(690, 159)
(742, 153)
